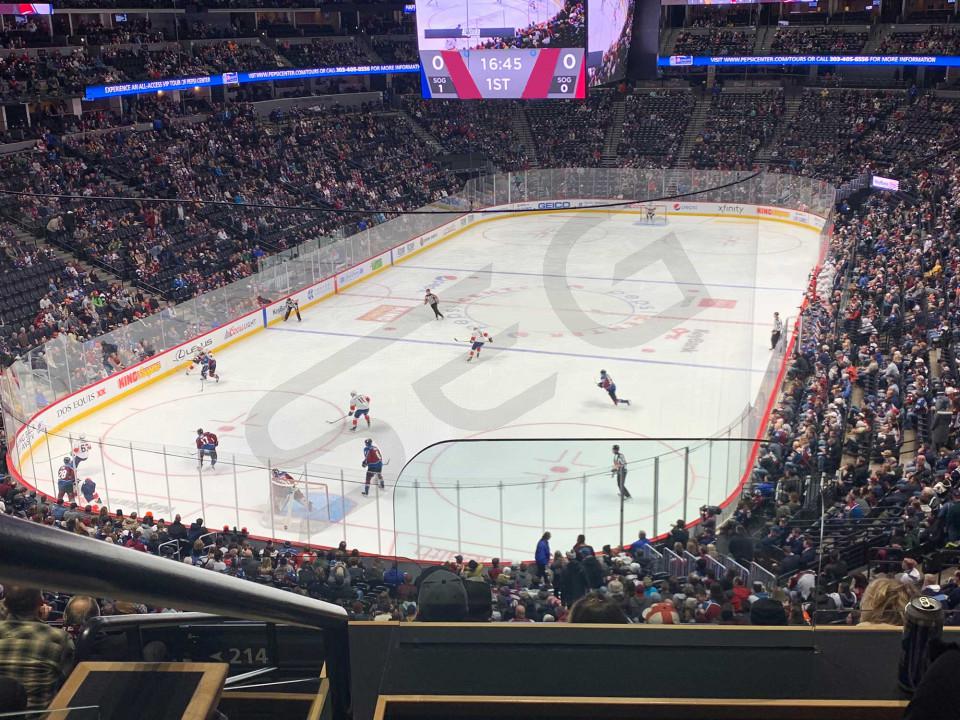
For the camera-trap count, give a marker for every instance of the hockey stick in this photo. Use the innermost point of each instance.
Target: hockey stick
(331, 422)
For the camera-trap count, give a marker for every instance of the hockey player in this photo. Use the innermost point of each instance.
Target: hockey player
(477, 339)
(67, 481)
(293, 306)
(206, 447)
(373, 462)
(359, 406)
(607, 383)
(81, 451)
(432, 300)
(197, 361)
(208, 368)
(651, 215)
(88, 489)
(284, 488)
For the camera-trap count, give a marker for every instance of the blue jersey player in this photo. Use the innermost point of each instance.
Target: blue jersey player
(373, 462)
(208, 367)
(607, 383)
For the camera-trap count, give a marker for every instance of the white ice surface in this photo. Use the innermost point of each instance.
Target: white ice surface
(281, 387)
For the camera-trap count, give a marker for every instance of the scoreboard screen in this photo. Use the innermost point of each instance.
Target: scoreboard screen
(482, 49)
(609, 27)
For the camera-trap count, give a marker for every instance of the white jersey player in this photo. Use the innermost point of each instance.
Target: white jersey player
(81, 450)
(359, 407)
(477, 339)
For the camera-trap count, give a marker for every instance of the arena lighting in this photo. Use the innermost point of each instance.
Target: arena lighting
(854, 60)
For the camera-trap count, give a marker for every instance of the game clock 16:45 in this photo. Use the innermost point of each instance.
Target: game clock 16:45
(494, 64)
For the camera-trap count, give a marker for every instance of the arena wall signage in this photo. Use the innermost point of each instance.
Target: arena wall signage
(860, 60)
(94, 92)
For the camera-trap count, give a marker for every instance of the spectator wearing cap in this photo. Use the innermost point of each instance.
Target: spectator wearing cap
(37, 655)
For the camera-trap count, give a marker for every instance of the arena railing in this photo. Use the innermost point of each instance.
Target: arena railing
(50, 387)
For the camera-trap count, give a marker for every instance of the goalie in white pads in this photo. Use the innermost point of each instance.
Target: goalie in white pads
(284, 489)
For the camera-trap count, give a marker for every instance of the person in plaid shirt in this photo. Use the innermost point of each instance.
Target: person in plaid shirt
(36, 655)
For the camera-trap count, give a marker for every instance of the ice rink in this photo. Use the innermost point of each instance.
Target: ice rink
(679, 315)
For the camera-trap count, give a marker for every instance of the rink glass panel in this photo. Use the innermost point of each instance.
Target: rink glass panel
(495, 498)
(63, 366)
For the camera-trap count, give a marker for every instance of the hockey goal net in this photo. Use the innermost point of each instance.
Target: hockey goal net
(295, 501)
(649, 213)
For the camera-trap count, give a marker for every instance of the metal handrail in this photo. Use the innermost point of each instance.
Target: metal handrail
(49, 557)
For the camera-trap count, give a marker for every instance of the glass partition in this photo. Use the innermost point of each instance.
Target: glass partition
(496, 498)
(430, 515)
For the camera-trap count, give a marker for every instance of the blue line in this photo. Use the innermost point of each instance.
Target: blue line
(532, 351)
(405, 266)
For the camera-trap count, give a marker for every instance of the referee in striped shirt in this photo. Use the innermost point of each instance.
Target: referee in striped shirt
(776, 332)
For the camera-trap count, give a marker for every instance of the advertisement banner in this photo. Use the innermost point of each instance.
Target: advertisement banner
(95, 92)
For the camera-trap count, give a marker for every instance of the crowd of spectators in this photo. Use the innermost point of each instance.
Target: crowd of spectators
(715, 42)
(653, 128)
(737, 126)
(396, 51)
(565, 29)
(571, 133)
(50, 73)
(484, 129)
(324, 53)
(817, 41)
(835, 134)
(936, 40)
(337, 159)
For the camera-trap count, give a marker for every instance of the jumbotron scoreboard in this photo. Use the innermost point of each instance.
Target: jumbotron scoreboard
(500, 49)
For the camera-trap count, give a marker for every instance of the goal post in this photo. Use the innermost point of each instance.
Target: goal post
(296, 502)
(649, 213)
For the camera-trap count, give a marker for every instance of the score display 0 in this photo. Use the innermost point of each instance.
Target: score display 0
(540, 73)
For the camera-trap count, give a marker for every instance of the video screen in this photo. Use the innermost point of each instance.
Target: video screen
(609, 27)
(472, 49)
